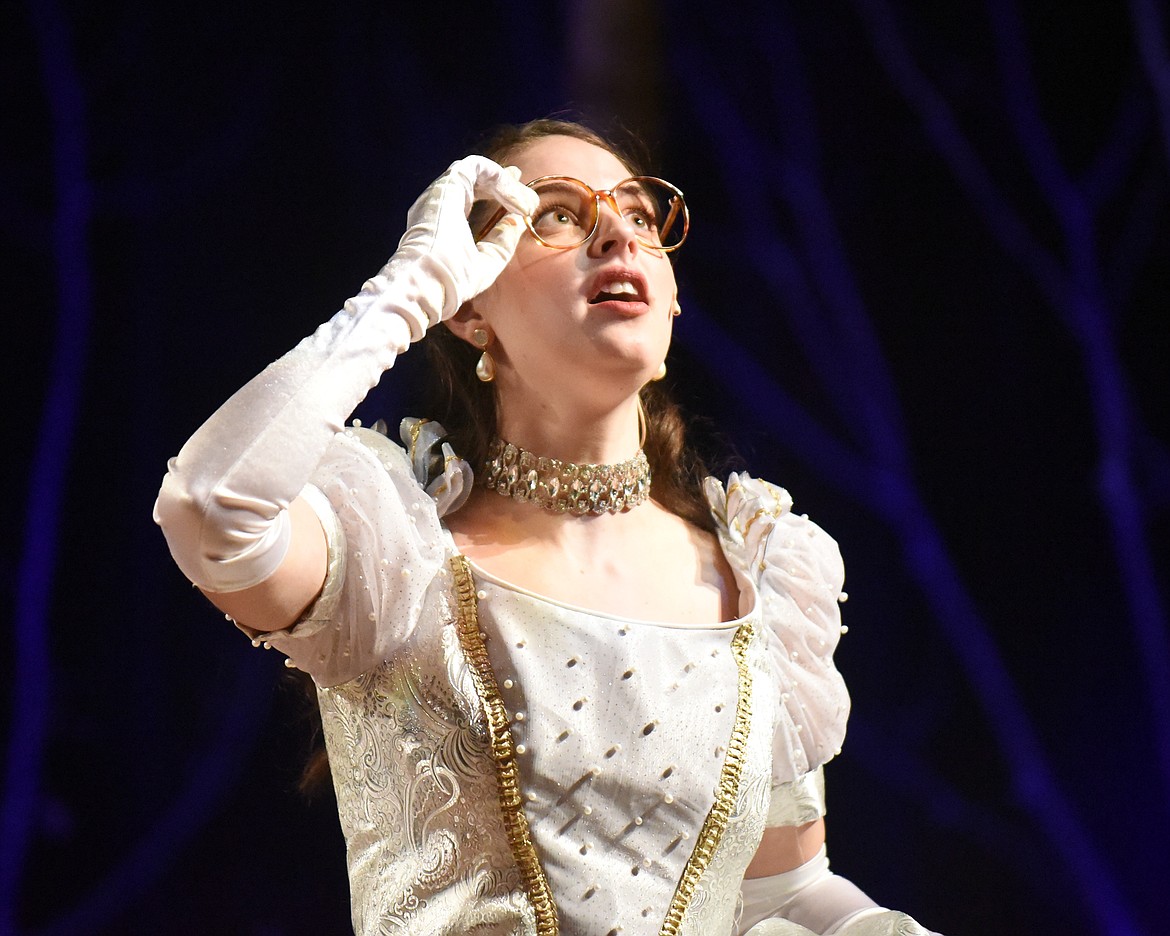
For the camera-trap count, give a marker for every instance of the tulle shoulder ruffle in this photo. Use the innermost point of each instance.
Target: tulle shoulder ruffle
(380, 505)
(445, 476)
(791, 571)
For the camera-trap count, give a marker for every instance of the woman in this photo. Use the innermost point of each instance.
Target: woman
(573, 707)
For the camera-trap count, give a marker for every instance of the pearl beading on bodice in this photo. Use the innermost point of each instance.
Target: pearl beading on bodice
(621, 730)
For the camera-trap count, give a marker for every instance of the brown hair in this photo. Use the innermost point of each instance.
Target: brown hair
(467, 407)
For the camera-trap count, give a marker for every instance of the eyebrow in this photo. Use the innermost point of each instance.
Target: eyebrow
(563, 185)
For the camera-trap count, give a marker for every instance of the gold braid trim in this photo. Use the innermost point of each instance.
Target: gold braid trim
(726, 793)
(503, 752)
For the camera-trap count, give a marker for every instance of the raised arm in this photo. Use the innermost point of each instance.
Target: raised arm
(229, 504)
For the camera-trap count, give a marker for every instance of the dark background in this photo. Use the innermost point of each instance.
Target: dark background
(925, 290)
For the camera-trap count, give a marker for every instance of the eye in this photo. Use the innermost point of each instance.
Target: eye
(554, 216)
(641, 219)
(639, 210)
(645, 222)
(562, 216)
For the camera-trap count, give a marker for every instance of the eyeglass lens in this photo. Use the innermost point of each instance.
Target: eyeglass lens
(568, 211)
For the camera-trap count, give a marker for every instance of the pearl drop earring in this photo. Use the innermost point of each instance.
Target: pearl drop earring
(485, 367)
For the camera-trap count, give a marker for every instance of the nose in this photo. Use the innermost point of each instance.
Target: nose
(614, 233)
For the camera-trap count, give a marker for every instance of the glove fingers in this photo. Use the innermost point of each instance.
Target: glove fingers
(777, 927)
(497, 246)
(439, 243)
(477, 178)
(496, 183)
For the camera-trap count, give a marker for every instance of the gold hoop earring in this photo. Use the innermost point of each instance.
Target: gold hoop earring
(661, 372)
(675, 308)
(485, 367)
(641, 422)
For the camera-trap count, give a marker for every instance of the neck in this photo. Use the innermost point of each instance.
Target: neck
(582, 433)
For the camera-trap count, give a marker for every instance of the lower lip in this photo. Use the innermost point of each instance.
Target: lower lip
(629, 308)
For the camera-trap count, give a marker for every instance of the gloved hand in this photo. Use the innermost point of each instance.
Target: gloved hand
(778, 927)
(875, 923)
(438, 265)
(883, 923)
(813, 899)
(223, 503)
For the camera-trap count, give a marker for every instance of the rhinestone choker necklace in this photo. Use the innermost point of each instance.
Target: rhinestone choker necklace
(566, 487)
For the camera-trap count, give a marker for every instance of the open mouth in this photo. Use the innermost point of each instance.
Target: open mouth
(619, 289)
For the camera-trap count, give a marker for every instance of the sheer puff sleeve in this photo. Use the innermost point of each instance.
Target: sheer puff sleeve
(386, 550)
(790, 575)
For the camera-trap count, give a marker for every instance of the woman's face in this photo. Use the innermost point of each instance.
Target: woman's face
(597, 316)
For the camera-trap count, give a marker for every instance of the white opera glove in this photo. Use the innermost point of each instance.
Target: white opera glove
(811, 899)
(223, 502)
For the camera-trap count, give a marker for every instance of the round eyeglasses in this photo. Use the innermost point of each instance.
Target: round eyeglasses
(570, 212)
